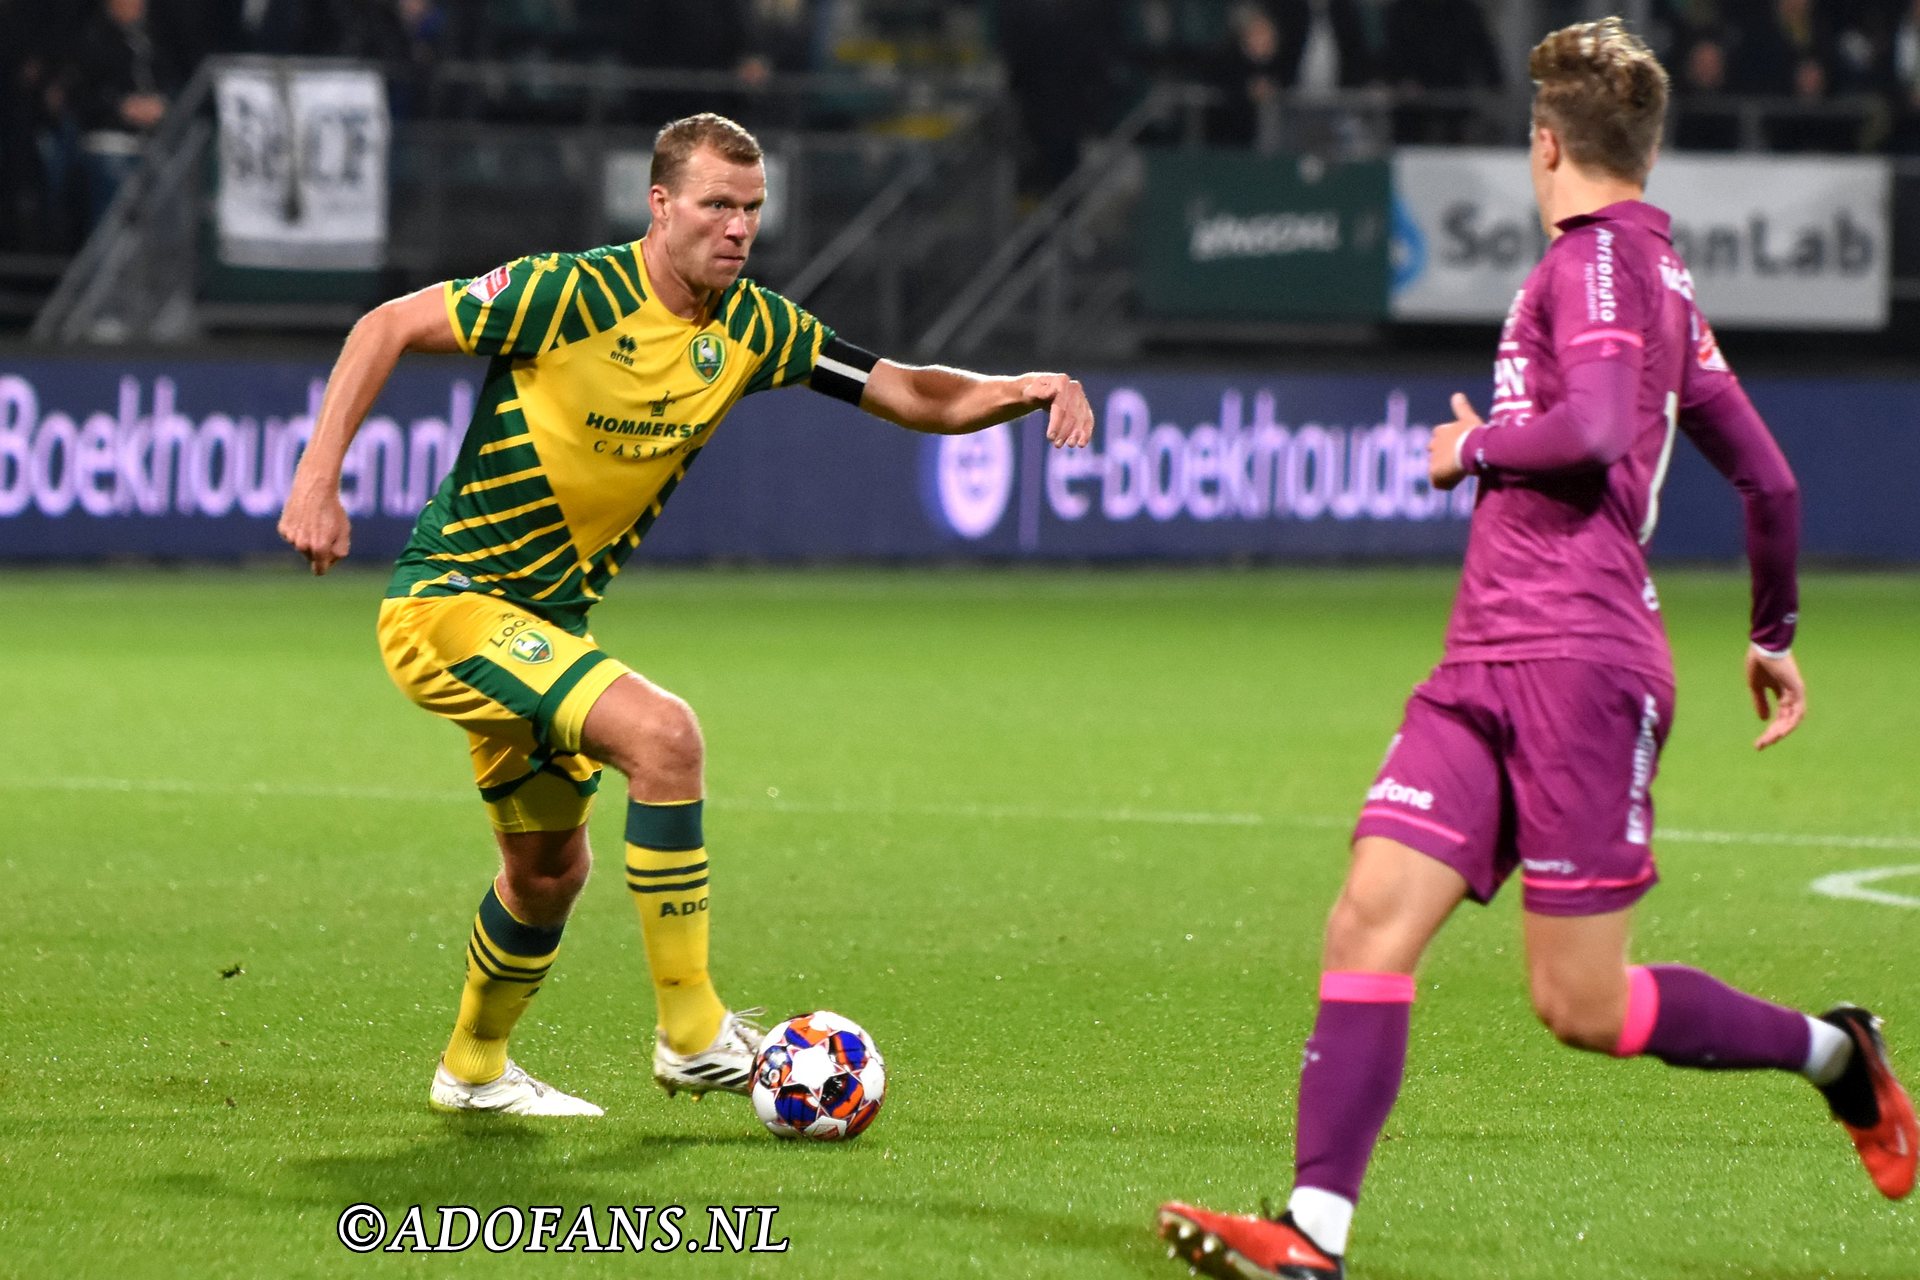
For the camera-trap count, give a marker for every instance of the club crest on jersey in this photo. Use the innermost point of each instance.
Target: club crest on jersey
(531, 648)
(1706, 348)
(708, 355)
(490, 286)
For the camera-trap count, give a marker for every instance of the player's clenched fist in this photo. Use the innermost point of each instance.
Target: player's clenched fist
(1445, 468)
(316, 523)
(1069, 416)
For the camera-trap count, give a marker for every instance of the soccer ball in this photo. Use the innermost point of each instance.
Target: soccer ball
(818, 1076)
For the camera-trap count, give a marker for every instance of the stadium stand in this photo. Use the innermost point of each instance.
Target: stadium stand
(516, 124)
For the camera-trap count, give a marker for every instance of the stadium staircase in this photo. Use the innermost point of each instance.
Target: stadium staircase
(1062, 282)
(27, 280)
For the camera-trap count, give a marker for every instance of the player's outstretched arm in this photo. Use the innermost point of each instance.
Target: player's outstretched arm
(1777, 675)
(945, 401)
(314, 520)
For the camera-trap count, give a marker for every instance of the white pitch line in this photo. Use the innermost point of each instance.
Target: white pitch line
(976, 812)
(1853, 884)
(1899, 844)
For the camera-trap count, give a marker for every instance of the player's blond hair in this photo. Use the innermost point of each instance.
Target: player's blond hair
(1600, 88)
(677, 142)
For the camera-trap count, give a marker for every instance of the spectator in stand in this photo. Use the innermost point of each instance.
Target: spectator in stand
(783, 37)
(261, 26)
(52, 200)
(674, 36)
(406, 37)
(370, 30)
(1701, 54)
(19, 175)
(1783, 51)
(1438, 46)
(1862, 45)
(1061, 58)
(1250, 77)
(425, 29)
(1326, 44)
(1786, 51)
(125, 69)
(1303, 48)
(1905, 80)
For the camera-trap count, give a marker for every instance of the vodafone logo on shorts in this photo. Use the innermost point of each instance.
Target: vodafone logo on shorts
(489, 286)
(1394, 793)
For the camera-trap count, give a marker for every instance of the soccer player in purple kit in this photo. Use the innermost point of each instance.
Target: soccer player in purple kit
(1533, 745)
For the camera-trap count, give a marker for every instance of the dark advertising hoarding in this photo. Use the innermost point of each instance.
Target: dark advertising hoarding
(188, 459)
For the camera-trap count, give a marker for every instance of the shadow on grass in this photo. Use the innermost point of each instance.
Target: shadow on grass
(1088, 1235)
(470, 1160)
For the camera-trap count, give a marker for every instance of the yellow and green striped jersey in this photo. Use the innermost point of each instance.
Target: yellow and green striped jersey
(597, 401)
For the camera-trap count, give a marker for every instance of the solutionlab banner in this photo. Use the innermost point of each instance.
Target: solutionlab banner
(192, 460)
(1773, 242)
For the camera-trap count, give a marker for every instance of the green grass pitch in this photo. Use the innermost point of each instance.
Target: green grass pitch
(1062, 841)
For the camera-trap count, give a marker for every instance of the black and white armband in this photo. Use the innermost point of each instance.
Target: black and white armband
(841, 371)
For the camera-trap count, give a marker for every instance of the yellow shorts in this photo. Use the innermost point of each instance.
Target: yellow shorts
(521, 688)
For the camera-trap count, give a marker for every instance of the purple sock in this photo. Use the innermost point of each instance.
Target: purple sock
(1687, 1018)
(1354, 1060)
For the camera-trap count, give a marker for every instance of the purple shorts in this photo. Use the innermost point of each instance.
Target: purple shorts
(1545, 765)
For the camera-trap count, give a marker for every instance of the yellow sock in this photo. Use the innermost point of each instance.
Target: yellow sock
(507, 960)
(667, 871)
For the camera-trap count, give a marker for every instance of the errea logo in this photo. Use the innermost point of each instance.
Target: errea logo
(623, 349)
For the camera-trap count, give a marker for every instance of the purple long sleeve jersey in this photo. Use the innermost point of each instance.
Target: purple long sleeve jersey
(1603, 357)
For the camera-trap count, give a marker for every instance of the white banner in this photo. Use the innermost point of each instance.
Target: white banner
(1773, 242)
(303, 168)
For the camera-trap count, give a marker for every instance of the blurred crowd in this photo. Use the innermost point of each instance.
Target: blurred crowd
(83, 83)
(1826, 56)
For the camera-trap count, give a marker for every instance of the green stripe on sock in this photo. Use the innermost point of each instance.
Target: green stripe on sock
(668, 828)
(512, 936)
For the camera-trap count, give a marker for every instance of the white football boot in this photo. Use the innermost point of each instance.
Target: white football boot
(515, 1093)
(726, 1064)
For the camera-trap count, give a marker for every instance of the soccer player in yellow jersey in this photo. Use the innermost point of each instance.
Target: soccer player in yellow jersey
(609, 372)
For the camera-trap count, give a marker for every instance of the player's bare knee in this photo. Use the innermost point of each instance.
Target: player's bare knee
(666, 751)
(673, 743)
(661, 741)
(676, 735)
(545, 891)
(542, 891)
(1360, 932)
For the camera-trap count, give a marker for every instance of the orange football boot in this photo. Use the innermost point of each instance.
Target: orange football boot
(1244, 1247)
(1868, 1100)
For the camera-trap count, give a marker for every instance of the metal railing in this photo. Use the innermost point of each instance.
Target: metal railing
(467, 194)
(907, 239)
(134, 277)
(604, 92)
(1064, 283)
(1040, 252)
